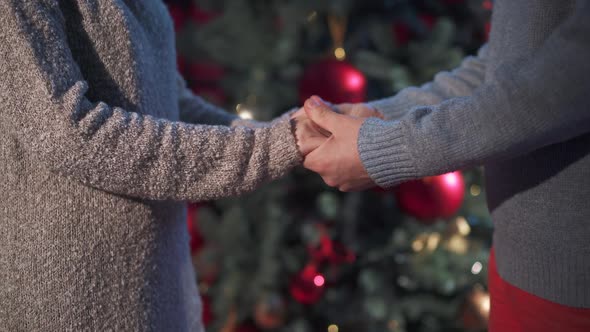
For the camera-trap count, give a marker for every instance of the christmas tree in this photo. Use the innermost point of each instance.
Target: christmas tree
(296, 255)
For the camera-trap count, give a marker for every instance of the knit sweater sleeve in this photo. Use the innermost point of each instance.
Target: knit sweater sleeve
(530, 103)
(461, 81)
(109, 148)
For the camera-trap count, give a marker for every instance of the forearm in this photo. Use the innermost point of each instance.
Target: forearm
(109, 148)
(529, 104)
(459, 82)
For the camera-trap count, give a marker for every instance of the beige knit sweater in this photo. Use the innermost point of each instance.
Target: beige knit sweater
(94, 166)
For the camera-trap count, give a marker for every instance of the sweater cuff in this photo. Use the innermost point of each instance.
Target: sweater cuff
(284, 153)
(384, 152)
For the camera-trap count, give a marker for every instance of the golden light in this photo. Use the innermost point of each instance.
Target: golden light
(312, 16)
(243, 112)
(457, 244)
(475, 190)
(433, 241)
(333, 328)
(462, 226)
(246, 115)
(340, 53)
(419, 243)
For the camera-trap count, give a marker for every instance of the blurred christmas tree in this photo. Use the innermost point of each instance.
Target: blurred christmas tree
(298, 256)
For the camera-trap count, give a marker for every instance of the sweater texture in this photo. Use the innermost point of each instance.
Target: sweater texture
(521, 109)
(95, 164)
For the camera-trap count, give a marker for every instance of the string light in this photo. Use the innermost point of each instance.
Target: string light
(475, 190)
(476, 268)
(244, 113)
(433, 241)
(340, 53)
(319, 280)
(462, 225)
(333, 328)
(312, 16)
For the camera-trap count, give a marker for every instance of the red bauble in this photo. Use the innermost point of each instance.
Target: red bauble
(196, 238)
(432, 197)
(329, 251)
(335, 81)
(308, 286)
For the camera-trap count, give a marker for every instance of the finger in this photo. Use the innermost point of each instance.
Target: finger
(298, 113)
(345, 108)
(321, 114)
(311, 144)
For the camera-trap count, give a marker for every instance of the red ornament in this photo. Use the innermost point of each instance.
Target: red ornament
(308, 286)
(333, 80)
(432, 197)
(196, 238)
(331, 252)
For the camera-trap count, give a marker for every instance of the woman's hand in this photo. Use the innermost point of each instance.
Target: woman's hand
(308, 135)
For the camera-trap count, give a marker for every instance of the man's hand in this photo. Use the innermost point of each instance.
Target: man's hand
(309, 136)
(337, 160)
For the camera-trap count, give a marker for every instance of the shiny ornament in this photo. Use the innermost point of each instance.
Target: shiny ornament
(329, 251)
(270, 311)
(308, 286)
(432, 197)
(333, 80)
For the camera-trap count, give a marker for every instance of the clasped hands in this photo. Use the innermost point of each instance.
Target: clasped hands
(327, 138)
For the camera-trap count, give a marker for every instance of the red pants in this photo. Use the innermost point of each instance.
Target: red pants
(514, 310)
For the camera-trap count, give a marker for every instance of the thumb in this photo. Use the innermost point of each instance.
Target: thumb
(321, 113)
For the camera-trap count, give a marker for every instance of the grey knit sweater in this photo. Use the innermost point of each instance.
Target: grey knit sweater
(521, 108)
(94, 164)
